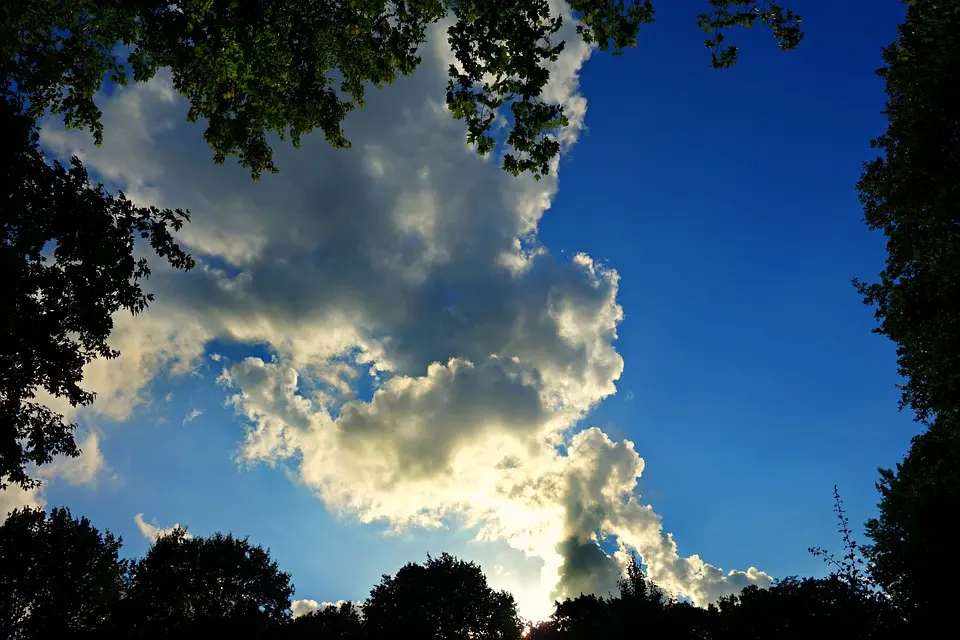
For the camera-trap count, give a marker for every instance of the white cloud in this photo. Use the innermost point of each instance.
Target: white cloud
(153, 531)
(476, 443)
(151, 344)
(412, 260)
(86, 469)
(15, 497)
(192, 415)
(303, 607)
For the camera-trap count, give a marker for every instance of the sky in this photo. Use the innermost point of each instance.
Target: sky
(400, 349)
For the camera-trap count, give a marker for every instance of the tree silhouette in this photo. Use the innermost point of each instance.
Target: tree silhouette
(186, 587)
(445, 599)
(802, 608)
(585, 616)
(251, 68)
(911, 194)
(343, 622)
(59, 576)
(640, 608)
(68, 264)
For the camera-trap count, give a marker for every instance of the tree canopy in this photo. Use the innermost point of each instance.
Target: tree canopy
(910, 536)
(68, 261)
(336, 622)
(59, 577)
(187, 586)
(911, 193)
(446, 599)
(252, 68)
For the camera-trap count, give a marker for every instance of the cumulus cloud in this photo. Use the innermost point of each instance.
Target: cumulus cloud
(153, 531)
(430, 360)
(192, 415)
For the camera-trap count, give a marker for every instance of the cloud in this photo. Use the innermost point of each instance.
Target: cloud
(303, 607)
(153, 531)
(152, 344)
(430, 360)
(86, 469)
(82, 470)
(192, 415)
(15, 497)
(420, 453)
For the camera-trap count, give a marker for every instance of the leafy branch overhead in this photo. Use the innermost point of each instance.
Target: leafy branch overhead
(252, 68)
(725, 14)
(68, 262)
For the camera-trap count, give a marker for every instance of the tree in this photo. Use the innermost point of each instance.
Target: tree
(59, 576)
(68, 264)
(640, 603)
(191, 586)
(911, 194)
(444, 599)
(252, 68)
(341, 622)
(807, 608)
(910, 535)
(640, 607)
(586, 616)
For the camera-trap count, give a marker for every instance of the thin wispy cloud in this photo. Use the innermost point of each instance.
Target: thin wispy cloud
(153, 531)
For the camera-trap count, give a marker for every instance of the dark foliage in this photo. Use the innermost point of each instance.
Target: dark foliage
(341, 622)
(912, 194)
(59, 576)
(249, 69)
(913, 536)
(798, 609)
(446, 599)
(68, 264)
(252, 68)
(189, 587)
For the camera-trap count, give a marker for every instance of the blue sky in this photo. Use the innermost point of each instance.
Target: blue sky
(750, 384)
(729, 209)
